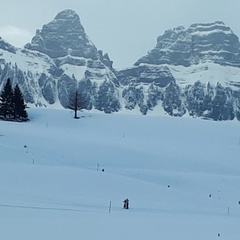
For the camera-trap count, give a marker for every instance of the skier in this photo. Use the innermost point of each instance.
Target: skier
(126, 204)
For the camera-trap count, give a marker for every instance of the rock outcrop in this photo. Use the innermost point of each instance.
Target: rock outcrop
(194, 71)
(198, 44)
(58, 60)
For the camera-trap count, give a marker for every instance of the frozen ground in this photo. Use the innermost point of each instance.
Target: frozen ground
(181, 175)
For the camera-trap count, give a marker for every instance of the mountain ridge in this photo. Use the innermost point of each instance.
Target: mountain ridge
(188, 65)
(197, 44)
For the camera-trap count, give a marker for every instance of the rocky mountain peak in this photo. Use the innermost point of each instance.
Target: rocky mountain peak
(63, 36)
(210, 27)
(68, 14)
(61, 59)
(7, 46)
(201, 42)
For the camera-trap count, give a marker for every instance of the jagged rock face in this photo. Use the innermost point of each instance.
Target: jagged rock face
(146, 74)
(203, 52)
(192, 71)
(32, 71)
(63, 36)
(144, 86)
(59, 59)
(6, 46)
(199, 43)
(64, 39)
(66, 86)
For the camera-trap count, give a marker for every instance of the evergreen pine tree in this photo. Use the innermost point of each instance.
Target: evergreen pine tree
(6, 101)
(19, 105)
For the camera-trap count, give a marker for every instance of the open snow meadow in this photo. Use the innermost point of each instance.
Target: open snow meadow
(66, 179)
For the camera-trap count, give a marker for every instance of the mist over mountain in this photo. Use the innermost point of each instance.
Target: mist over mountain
(193, 71)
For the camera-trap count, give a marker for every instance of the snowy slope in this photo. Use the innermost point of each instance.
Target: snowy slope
(167, 167)
(210, 72)
(28, 61)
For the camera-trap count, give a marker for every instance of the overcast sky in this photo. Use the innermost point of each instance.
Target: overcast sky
(125, 29)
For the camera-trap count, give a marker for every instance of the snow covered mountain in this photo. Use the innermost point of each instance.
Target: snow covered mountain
(199, 43)
(59, 59)
(204, 61)
(194, 71)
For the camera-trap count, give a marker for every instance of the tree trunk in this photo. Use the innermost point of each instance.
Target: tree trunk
(75, 114)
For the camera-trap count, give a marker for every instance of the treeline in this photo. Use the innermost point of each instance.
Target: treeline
(12, 105)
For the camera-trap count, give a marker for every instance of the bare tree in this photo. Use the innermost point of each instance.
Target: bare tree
(76, 102)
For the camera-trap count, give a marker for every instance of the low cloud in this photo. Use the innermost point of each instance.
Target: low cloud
(15, 35)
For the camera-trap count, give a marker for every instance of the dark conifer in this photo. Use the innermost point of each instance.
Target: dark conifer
(6, 101)
(12, 106)
(19, 105)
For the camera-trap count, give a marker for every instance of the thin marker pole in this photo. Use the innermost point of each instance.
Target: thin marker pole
(110, 206)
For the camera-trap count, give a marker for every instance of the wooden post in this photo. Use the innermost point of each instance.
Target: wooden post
(110, 206)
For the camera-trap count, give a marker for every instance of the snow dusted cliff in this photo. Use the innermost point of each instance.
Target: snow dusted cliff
(199, 43)
(193, 71)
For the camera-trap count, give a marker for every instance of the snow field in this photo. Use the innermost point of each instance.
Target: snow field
(181, 175)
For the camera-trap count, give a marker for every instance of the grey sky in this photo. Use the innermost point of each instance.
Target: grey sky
(125, 29)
